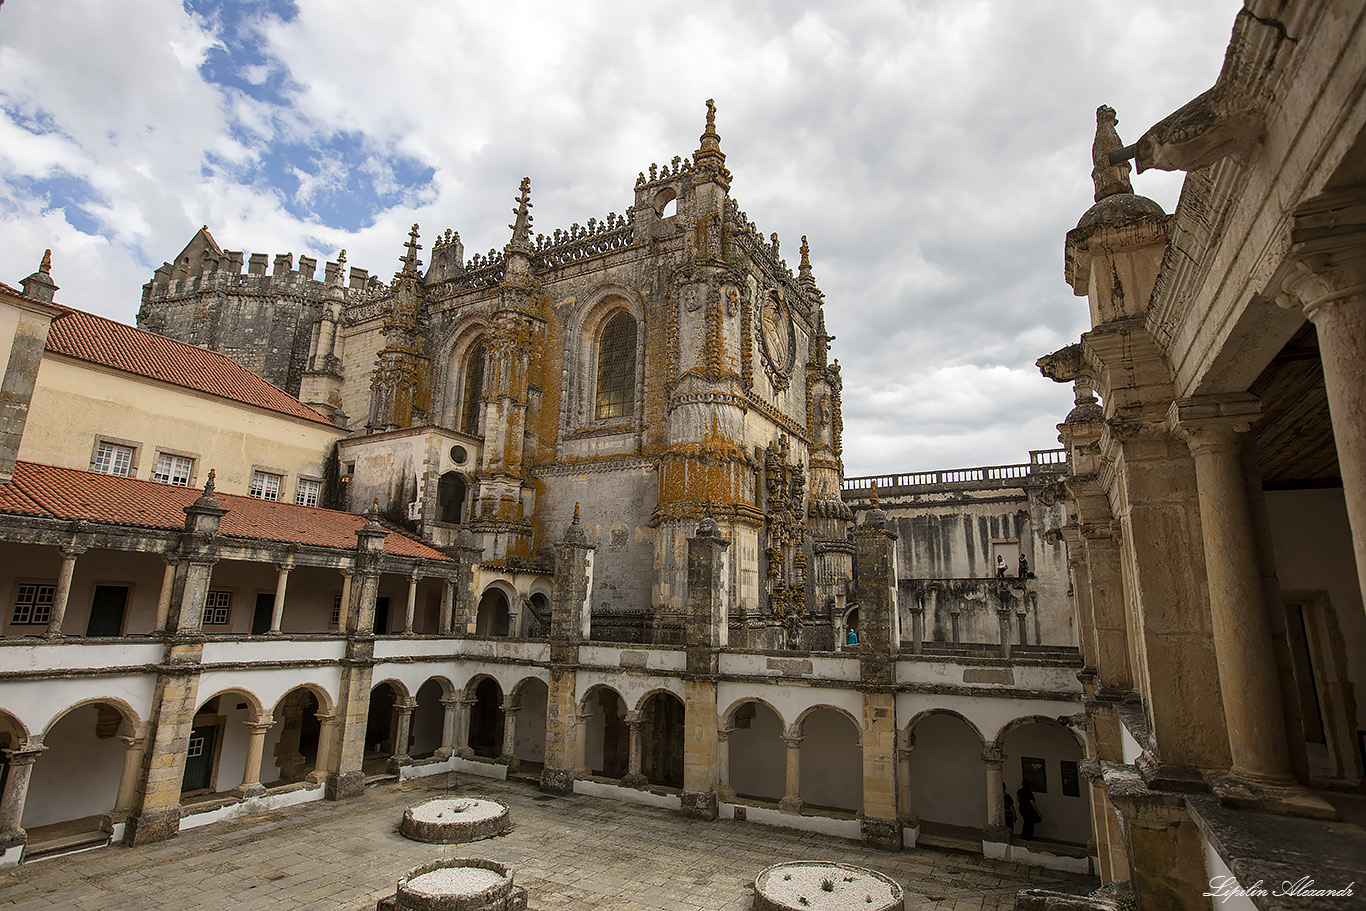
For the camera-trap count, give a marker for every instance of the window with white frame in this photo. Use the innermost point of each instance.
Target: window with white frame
(33, 602)
(306, 494)
(216, 608)
(111, 458)
(173, 469)
(265, 486)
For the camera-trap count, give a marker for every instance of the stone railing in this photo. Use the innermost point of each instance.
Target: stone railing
(1041, 462)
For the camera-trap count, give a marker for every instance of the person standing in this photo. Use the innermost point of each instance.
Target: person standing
(1024, 567)
(1029, 811)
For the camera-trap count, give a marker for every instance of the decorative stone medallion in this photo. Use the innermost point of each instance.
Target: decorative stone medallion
(779, 339)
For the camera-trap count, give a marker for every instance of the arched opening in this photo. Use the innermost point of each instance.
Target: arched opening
(669, 209)
(1049, 757)
(661, 740)
(947, 777)
(529, 743)
(536, 624)
(296, 733)
(428, 720)
(758, 756)
(380, 726)
(450, 498)
(616, 383)
(472, 397)
(492, 618)
(831, 762)
(217, 752)
(607, 738)
(486, 719)
(75, 781)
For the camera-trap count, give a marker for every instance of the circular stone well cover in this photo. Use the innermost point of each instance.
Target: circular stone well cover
(454, 820)
(824, 886)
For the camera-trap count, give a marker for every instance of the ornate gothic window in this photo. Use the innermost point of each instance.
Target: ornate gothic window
(474, 390)
(616, 389)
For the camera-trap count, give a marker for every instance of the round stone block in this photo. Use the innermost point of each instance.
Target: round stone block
(454, 820)
(822, 886)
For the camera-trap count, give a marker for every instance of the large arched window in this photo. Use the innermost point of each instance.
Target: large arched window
(616, 388)
(473, 396)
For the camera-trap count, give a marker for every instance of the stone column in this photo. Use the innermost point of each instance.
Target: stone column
(953, 624)
(16, 793)
(462, 726)
(1330, 284)
(633, 776)
(447, 605)
(165, 595)
(579, 745)
(327, 737)
(508, 756)
(156, 808)
(792, 796)
(1022, 620)
(995, 831)
(1213, 428)
(277, 612)
(450, 714)
(570, 624)
(1003, 624)
(63, 592)
(403, 716)
(251, 772)
(705, 631)
(905, 808)
(412, 604)
(133, 747)
(347, 575)
(917, 629)
(723, 789)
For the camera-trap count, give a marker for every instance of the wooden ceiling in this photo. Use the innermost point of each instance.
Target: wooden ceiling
(1295, 446)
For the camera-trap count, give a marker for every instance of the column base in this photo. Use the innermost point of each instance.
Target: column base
(884, 834)
(634, 780)
(1288, 798)
(15, 838)
(396, 763)
(465, 753)
(725, 793)
(444, 753)
(557, 781)
(699, 805)
(791, 804)
(345, 785)
(249, 790)
(512, 762)
(151, 826)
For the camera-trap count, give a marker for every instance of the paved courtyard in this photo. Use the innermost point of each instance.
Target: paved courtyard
(570, 852)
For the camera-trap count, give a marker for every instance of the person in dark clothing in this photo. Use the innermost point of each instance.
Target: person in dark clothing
(1010, 809)
(1029, 811)
(1024, 567)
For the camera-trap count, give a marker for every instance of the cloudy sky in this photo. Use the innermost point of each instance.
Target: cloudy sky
(935, 153)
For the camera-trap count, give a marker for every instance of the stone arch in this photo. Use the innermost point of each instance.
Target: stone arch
(484, 698)
(255, 710)
(1015, 724)
(80, 775)
(294, 743)
(800, 723)
(666, 195)
(946, 773)
(17, 730)
(831, 759)
(661, 716)
(756, 764)
(601, 305)
(128, 718)
(606, 736)
(530, 696)
(452, 495)
(427, 727)
(381, 723)
(536, 623)
(216, 753)
(493, 616)
(450, 375)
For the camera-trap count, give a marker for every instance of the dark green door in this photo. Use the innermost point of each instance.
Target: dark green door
(199, 758)
(106, 610)
(265, 606)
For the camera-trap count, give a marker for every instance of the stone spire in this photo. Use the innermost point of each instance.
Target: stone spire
(409, 259)
(1109, 178)
(709, 158)
(518, 249)
(39, 286)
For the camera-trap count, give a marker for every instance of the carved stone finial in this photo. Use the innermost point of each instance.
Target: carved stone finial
(409, 259)
(208, 485)
(1108, 178)
(576, 512)
(45, 266)
(709, 157)
(39, 286)
(574, 534)
(873, 496)
(806, 255)
(521, 226)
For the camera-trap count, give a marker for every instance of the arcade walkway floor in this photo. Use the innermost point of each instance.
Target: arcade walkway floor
(574, 853)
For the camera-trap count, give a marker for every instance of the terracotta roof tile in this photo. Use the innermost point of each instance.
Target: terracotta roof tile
(10, 290)
(92, 338)
(66, 493)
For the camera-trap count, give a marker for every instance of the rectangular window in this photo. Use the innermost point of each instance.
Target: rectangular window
(33, 603)
(111, 458)
(216, 608)
(307, 492)
(1071, 783)
(1033, 772)
(173, 470)
(336, 609)
(265, 486)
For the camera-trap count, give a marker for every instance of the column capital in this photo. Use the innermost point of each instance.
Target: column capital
(449, 701)
(416, 576)
(325, 718)
(793, 741)
(993, 756)
(72, 551)
(285, 565)
(260, 727)
(24, 755)
(406, 705)
(632, 718)
(1214, 421)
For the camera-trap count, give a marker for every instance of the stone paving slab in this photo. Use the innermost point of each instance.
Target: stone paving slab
(572, 853)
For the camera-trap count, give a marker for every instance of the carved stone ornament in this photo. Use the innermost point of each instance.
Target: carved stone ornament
(779, 339)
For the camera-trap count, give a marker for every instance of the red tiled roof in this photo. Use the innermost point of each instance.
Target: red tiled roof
(15, 291)
(65, 493)
(92, 338)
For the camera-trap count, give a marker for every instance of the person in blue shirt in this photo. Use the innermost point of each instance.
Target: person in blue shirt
(852, 638)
